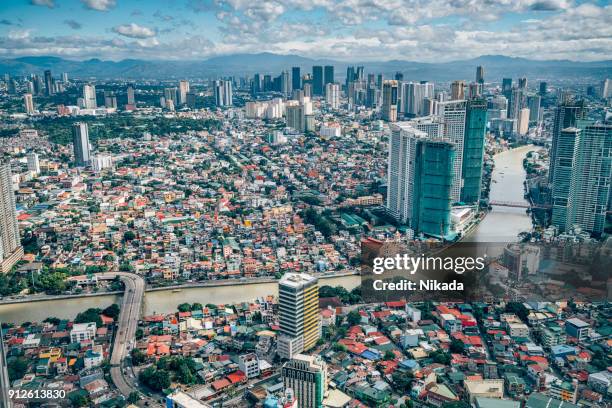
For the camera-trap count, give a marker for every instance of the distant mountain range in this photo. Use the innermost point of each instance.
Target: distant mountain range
(496, 67)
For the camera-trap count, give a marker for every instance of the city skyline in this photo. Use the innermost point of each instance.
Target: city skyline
(343, 30)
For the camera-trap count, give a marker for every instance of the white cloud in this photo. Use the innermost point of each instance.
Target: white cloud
(134, 30)
(100, 5)
(45, 3)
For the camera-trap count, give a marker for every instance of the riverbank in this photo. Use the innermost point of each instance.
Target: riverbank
(174, 288)
(160, 300)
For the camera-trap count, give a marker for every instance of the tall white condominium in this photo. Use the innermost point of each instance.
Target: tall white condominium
(298, 303)
(583, 176)
(11, 250)
(400, 171)
(223, 93)
(80, 141)
(33, 163)
(413, 98)
(183, 91)
(306, 376)
(452, 114)
(89, 96)
(131, 99)
(28, 103)
(606, 89)
(332, 95)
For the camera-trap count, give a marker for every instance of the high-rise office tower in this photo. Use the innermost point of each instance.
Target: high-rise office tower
(296, 117)
(11, 250)
(223, 93)
(80, 141)
(522, 83)
(473, 150)
(332, 95)
(110, 100)
(170, 94)
(256, 84)
(582, 178)
(517, 102)
(65, 77)
(359, 73)
(480, 73)
(606, 89)
(474, 90)
(522, 126)
(419, 180)
(228, 93)
(183, 90)
(543, 88)
(399, 76)
(350, 77)
(296, 78)
(33, 163)
(307, 377)
(285, 83)
(533, 103)
(89, 96)
(413, 98)
(434, 163)
(28, 103)
(48, 83)
(372, 95)
(12, 86)
(131, 98)
(191, 100)
(379, 81)
(566, 115)
(328, 75)
(507, 88)
(317, 80)
(298, 305)
(30, 87)
(458, 90)
(453, 115)
(389, 102)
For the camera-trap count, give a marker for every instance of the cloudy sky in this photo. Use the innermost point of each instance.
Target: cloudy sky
(350, 30)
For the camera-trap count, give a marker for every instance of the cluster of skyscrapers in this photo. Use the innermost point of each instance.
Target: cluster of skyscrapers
(580, 172)
(435, 161)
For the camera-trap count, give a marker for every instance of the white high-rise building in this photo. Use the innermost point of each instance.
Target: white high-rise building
(11, 250)
(413, 98)
(299, 318)
(28, 102)
(101, 162)
(400, 170)
(223, 93)
(606, 89)
(33, 163)
(332, 95)
(89, 96)
(523, 122)
(453, 114)
(183, 91)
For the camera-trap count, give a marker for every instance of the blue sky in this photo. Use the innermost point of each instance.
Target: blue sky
(351, 30)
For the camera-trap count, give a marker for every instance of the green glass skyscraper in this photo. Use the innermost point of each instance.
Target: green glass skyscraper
(434, 162)
(473, 150)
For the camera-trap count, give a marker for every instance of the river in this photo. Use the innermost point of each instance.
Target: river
(502, 224)
(161, 301)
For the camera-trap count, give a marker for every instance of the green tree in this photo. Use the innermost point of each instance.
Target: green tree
(184, 307)
(353, 318)
(389, 355)
(133, 398)
(89, 315)
(129, 236)
(111, 311)
(17, 367)
(138, 357)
